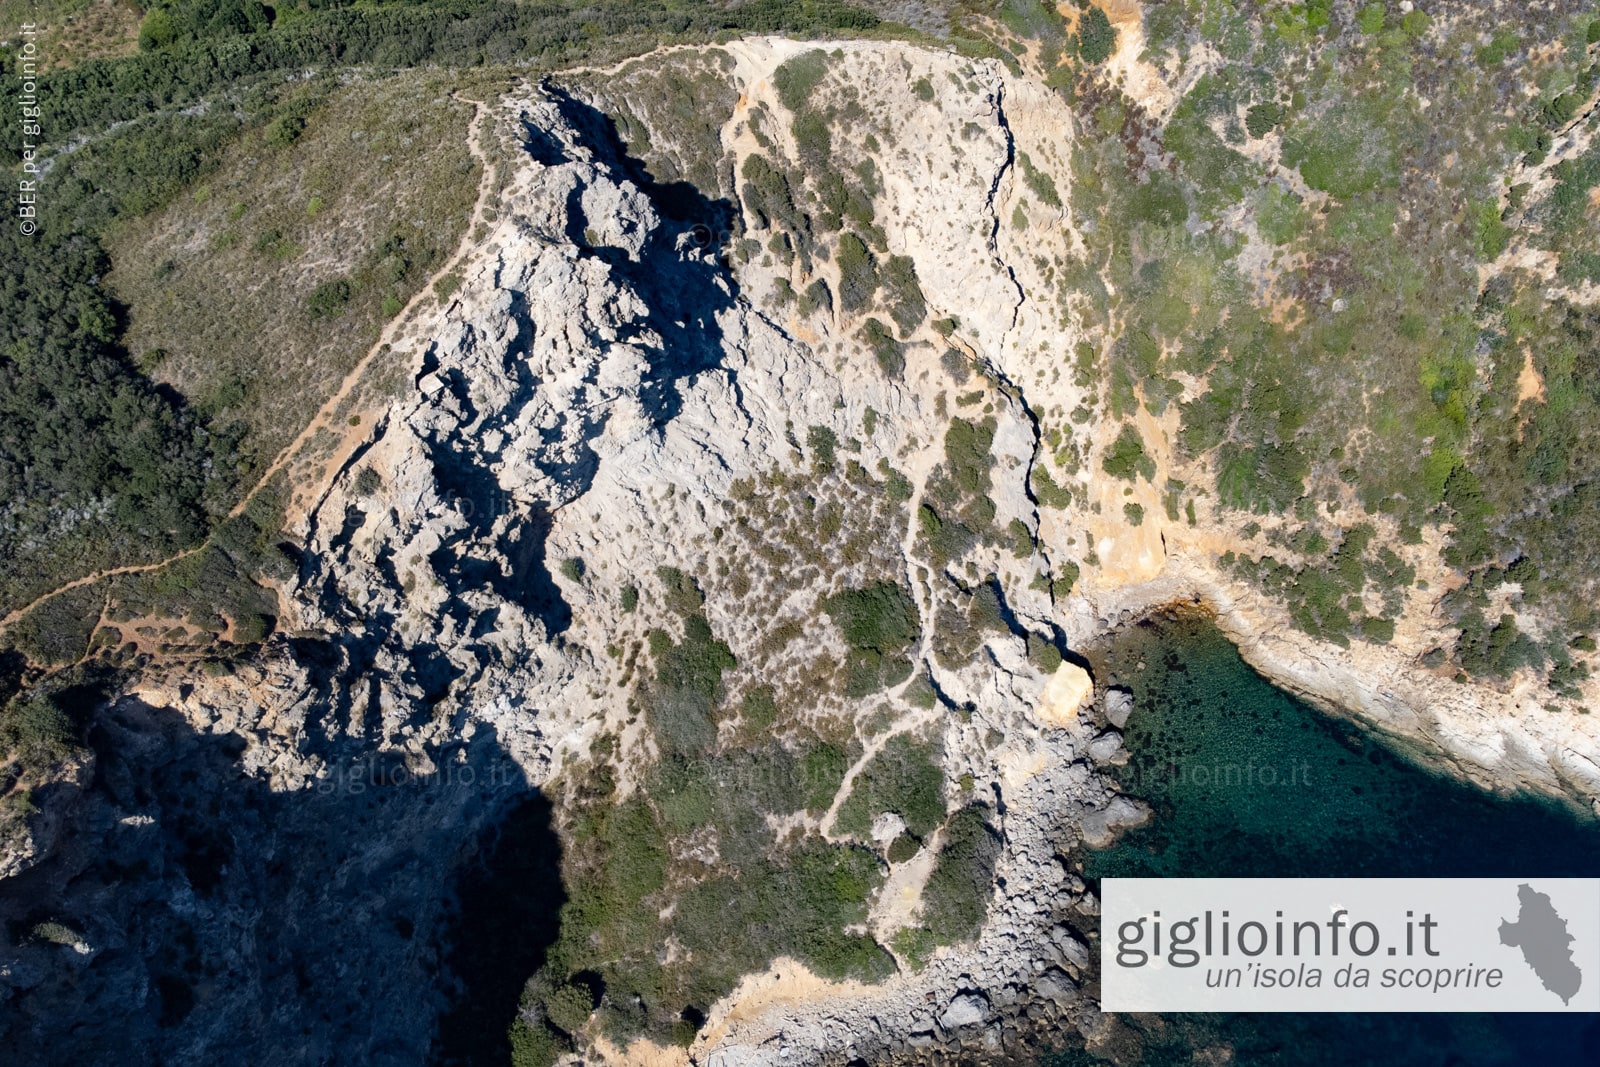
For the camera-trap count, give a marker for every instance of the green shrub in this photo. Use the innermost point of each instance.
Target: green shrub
(1158, 201)
(629, 598)
(903, 848)
(1047, 491)
(1343, 153)
(446, 286)
(534, 1046)
(1134, 513)
(904, 777)
(1042, 185)
(816, 298)
(967, 450)
(760, 707)
(1043, 654)
(956, 897)
(822, 443)
(889, 352)
(1126, 458)
(570, 1007)
(330, 299)
(1279, 216)
(796, 79)
(1021, 539)
(920, 693)
(1378, 630)
(251, 628)
(572, 569)
(1097, 38)
(58, 631)
(695, 665)
(285, 130)
(688, 685)
(1493, 236)
(1263, 118)
(814, 144)
(684, 793)
(822, 769)
(916, 944)
(35, 730)
(907, 306)
(896, 486)
(858, 273)
(681, 592)
(769, 196)
(1066, 578)
(881, 617)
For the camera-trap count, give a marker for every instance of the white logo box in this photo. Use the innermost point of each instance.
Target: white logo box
(1350, 944)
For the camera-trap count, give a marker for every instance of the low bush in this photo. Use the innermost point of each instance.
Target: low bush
(904, 778)
(329, 299)
(1097, 38)
(956, 898)
(858, 273)
(1126, 459)
(796, 79)
(681, 591)
(36, 731)
(688, 685)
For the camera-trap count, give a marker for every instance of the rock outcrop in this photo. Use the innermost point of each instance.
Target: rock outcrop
(610, 377)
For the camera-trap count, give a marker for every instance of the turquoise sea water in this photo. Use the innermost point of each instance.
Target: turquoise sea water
(1247, 781)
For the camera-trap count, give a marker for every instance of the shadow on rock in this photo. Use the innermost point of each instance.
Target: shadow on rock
(192, 915)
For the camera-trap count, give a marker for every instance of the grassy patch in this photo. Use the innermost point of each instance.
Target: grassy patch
(386, 161)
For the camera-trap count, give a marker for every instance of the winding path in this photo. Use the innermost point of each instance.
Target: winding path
(324, 416)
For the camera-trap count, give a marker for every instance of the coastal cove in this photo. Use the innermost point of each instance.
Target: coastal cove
(1245, 780)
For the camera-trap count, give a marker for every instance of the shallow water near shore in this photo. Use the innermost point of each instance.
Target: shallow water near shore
(1247, 781)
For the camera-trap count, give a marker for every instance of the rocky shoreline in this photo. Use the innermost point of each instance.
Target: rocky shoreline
(576, 418)
(1032, 976)
(1504, 741)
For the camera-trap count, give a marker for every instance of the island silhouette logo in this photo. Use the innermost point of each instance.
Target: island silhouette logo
(1541, 933)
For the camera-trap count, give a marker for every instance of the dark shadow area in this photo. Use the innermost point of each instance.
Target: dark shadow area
(508, 912)
(680, 274)
(383, 914)
(13, 668)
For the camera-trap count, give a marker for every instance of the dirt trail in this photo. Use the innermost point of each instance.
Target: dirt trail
(324, 416)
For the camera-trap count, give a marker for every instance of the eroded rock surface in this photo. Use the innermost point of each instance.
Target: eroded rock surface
(269, 868)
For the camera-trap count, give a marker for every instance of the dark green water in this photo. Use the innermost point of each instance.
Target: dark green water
(1247, 781)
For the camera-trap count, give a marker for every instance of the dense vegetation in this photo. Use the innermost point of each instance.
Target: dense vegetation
(95, 463)
(1336, 360)
(190, 49)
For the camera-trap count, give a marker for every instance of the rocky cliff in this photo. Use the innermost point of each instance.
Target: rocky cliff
(760, 379)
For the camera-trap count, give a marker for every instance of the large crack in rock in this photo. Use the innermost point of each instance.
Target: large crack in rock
(268, 863)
